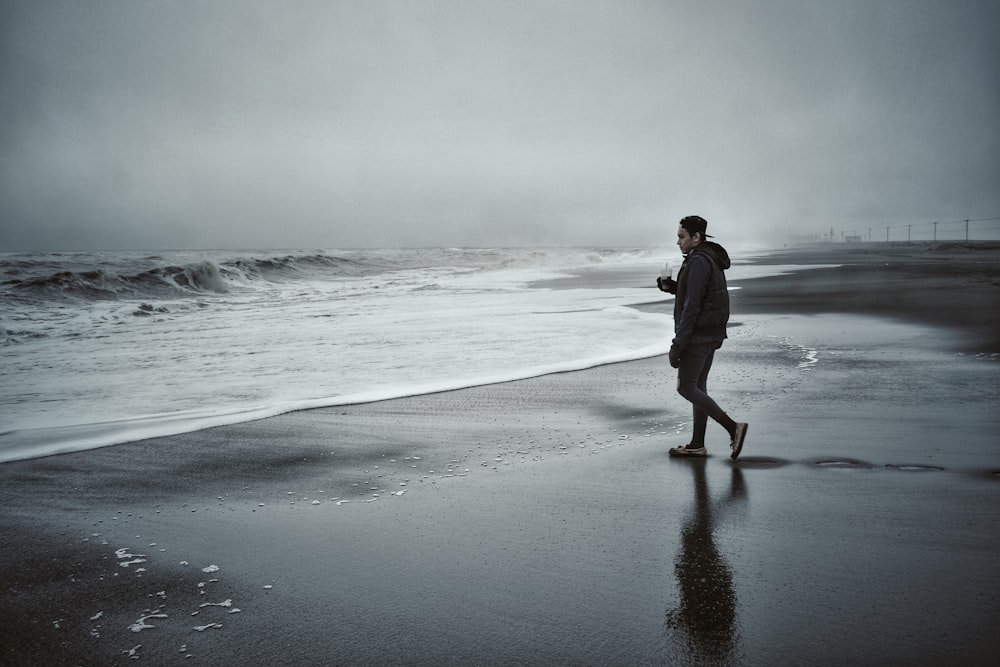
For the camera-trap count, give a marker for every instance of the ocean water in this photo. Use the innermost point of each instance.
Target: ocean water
(103, 348)
(98, 349)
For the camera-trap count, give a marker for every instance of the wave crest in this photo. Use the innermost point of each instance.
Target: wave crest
(104, 285)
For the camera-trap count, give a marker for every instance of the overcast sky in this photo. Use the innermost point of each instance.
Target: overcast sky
(319, 124)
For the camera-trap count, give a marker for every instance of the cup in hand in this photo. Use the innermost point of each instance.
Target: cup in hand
(667, 271)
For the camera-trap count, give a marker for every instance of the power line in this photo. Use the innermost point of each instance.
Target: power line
(985, 228)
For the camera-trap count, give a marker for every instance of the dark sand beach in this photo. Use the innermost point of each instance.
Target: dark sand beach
(541, 522)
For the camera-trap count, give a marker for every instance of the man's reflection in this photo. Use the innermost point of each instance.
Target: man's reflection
(706, 618)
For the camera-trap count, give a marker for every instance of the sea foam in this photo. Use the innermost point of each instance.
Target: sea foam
(110, 348)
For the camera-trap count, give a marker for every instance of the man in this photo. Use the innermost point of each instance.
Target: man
(701, 312)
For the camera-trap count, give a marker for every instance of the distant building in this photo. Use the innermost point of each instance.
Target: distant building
(852, 239)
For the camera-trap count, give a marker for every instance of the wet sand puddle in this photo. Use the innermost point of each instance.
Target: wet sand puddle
(843, 464)
(765, 462)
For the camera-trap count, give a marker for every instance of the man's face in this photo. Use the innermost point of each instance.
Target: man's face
(685, 241)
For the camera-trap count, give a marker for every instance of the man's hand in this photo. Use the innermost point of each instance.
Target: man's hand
(675, 356)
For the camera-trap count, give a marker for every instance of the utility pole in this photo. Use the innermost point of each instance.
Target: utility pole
(966, 230)
(908, 233)
(869, 234)
(935, 231)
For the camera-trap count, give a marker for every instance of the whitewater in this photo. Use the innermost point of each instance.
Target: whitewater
(105, 348)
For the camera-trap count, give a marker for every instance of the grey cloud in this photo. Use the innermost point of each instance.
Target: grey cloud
(258, 124)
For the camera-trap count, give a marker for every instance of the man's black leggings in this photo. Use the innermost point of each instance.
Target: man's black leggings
(692, 384)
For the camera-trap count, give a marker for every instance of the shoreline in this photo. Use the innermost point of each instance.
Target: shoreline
(947, 283)
(540, 521)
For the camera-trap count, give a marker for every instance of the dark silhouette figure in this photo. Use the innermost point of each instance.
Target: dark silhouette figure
(706, 619)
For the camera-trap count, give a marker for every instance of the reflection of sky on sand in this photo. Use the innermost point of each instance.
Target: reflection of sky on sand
(704, 628)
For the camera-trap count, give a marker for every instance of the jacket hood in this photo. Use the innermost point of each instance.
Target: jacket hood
(715, 251)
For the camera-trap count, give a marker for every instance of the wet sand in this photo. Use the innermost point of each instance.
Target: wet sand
(540, 522)
(949, 283)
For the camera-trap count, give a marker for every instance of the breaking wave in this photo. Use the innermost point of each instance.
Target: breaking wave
(101, 284)
(149, 277)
